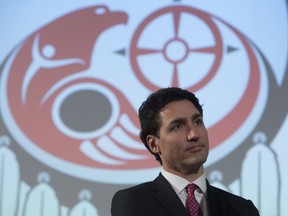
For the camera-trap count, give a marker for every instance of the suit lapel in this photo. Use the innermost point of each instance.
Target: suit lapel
(211, 200)
(216, 205)
(165, 194)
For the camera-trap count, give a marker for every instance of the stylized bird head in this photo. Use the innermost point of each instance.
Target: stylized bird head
(73, 35)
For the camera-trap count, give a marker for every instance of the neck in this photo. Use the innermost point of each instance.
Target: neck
(189, 175)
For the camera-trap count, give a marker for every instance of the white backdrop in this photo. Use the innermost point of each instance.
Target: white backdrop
(73, 74)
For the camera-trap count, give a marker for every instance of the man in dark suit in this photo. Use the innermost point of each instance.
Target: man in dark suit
(172, 129)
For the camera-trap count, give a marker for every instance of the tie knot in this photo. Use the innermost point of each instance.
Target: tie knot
(191, 188)
(191, 203)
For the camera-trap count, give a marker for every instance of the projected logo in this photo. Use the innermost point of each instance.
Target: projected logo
(71, 115)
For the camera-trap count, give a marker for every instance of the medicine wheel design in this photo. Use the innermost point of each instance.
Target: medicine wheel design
(176, 49)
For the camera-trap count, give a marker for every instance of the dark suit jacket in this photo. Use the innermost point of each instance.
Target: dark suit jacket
(159, 198)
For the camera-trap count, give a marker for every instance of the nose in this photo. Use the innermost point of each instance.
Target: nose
(193, 134)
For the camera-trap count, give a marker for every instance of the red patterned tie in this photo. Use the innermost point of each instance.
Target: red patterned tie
(191, 203)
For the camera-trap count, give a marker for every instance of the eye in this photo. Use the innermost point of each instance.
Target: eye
(177, 124)
(176, 127)
(198, 122)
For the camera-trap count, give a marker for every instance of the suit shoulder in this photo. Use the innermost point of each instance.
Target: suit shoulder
(137, 190)
(129, 201)
(233, 202)
(139, 187)
(225, 194)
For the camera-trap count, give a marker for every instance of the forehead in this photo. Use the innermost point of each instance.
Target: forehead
(178, 109)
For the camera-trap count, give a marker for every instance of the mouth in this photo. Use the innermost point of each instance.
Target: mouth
(195, 148)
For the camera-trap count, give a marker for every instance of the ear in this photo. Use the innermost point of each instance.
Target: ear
(152, 143)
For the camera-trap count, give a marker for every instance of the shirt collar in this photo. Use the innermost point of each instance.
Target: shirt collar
(178, 183)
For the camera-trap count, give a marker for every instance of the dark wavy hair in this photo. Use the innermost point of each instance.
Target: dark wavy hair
(148, 113)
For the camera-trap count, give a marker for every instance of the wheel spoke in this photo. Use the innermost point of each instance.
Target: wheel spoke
(211, 49)
(176, 21)
(175, 81)
(143, 51)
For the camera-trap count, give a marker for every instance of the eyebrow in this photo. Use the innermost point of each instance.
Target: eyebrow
(197, 115)
(183, 120)
(178, 121)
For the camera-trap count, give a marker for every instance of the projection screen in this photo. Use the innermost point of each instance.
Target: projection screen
(73, 74)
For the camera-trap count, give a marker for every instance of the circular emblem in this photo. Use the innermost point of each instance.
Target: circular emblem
(65, 111)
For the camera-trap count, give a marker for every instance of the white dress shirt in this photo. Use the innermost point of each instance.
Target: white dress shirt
(178, 184)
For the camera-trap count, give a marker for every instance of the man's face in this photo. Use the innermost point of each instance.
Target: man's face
(183, 141)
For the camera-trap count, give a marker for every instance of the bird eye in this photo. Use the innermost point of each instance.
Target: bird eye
(100, 10)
